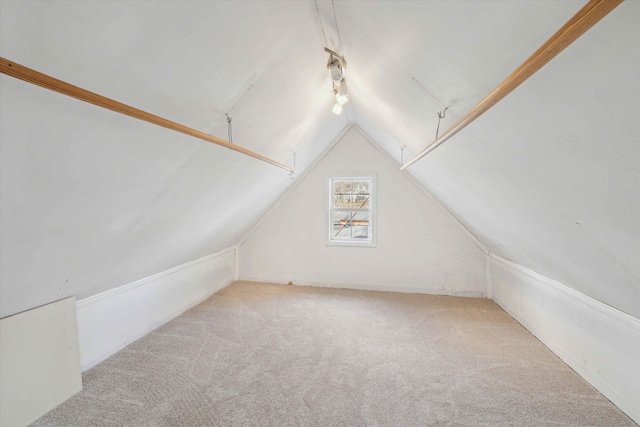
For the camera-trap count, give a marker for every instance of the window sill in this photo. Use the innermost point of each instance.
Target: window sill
(351, 244)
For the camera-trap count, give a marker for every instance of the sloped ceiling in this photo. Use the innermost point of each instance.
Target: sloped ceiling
(549, 177)
(92, 200)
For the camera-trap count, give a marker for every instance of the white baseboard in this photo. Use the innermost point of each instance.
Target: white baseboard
(110, 321)
(597, 341)
(388, 288)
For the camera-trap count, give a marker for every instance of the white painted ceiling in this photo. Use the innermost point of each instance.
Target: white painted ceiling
(91, 200)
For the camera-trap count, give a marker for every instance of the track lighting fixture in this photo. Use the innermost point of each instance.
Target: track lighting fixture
(336, 66)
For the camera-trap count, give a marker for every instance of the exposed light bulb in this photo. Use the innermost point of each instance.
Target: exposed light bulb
(342, 99)
(337, 109)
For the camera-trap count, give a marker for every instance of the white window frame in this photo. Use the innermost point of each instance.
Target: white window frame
(330, 241)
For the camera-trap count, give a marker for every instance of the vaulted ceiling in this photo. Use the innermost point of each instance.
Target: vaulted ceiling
(91, 200)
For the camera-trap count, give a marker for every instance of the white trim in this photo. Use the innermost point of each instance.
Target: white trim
(131, 286)
(597, 341)
(621, 316)
(388, 288)
(236, 268)
(422, 188)
(110, 321)
(371, 243)
(295, 184)
(488, 267)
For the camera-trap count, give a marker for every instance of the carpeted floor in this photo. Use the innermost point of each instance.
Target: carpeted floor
(277, 355)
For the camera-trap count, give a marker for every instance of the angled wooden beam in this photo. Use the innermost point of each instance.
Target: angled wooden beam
(18, 71)
(586, 18)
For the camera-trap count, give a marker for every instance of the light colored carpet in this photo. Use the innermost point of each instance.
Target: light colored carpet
(277, 355)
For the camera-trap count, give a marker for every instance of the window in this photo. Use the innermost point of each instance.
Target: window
(351, 210)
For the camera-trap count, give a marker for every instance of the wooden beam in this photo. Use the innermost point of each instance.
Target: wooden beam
(18, 71)
(587, 17)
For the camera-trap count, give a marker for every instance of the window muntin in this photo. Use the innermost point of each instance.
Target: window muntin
(351, 210)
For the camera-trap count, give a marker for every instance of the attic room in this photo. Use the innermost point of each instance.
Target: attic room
(319, 213)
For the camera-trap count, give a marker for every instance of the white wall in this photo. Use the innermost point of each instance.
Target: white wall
(420, 247)
(114, 319)
(599, 342)
(39, 363)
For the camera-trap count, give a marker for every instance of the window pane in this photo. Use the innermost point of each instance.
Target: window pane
(360, 187)
(341, 233)
(342, 201)
(361, 201)
(341, 217)
(342, 228)
(359, 232)
(360, 225)
(341, 214)
(353, 204)
(361, 218)
(341, 224)
(342, 187)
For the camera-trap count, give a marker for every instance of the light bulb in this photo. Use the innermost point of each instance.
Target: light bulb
(341, 99)
(337, 109)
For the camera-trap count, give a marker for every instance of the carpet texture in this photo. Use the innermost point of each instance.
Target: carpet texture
(276, 355)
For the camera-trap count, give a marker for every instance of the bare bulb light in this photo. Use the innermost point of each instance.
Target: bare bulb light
(336, 66)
